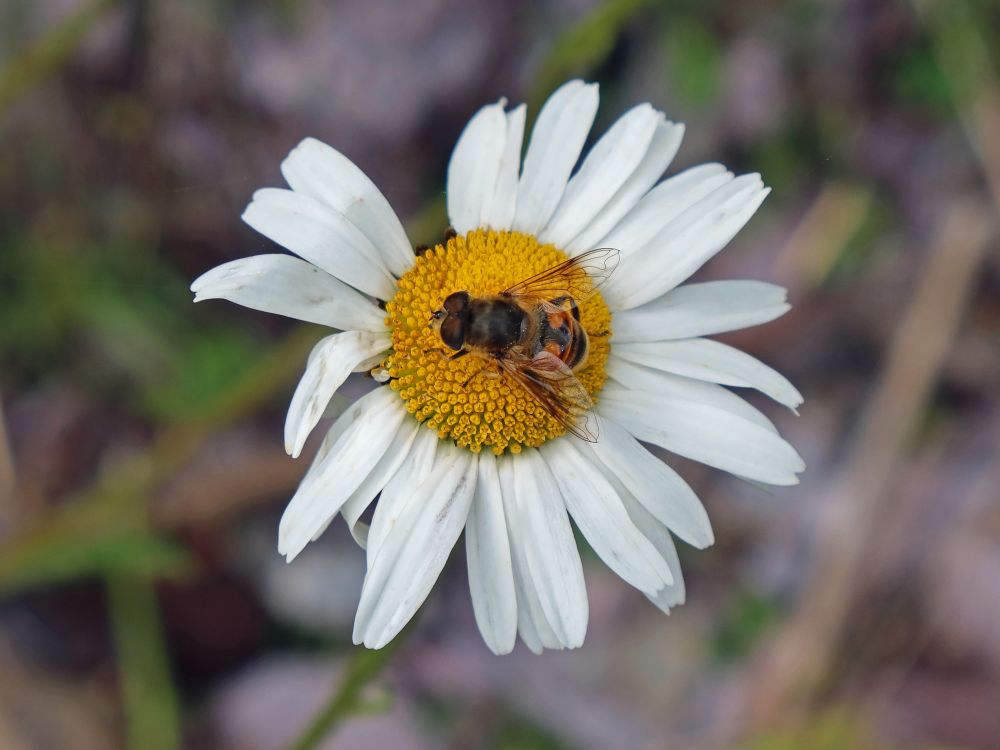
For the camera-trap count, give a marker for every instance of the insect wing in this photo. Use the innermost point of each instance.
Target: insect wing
(577, 277)
(554, 386)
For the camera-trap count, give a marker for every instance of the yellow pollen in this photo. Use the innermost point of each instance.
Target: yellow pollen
(494, 412)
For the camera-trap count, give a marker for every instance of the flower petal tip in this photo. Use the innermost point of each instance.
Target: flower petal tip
(307, 143)
(286, 548)
(294, 443)
(705, 541)
(199, 284)
(378, 643)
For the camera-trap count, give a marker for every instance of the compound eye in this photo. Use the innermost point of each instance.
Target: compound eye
(453, 332)
(456, 303)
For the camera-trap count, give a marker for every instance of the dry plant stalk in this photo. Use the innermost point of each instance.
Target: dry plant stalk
(7, 476)
(797, 660)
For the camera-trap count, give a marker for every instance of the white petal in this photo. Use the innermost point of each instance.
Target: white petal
(526, 627)
(367, 365)
(352, 449)
(637, 377)
(475, 167)
(552, 559)
(417, 547)
(491, 572)
(500, 213)
(685, 244)
(672, 594)
(322, 172)
(704, 433)
(321, 236)
(398, 491)
(611, 161)
(601, 517)
(652, 483)
(532, 625)
(712, 361)
(663, 204)
(658, 156)
(701, 310)
(659, 536)
(330, 362)
(556, 141)
(377, 479)
(291, 287)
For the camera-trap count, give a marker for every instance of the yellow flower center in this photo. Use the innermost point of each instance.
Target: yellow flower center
(485, 411)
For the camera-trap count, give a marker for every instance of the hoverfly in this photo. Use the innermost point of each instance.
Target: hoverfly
(531, 332)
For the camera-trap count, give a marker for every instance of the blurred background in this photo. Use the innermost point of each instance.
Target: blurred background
(142, 602)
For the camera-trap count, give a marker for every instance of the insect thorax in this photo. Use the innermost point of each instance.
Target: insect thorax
(495, 324)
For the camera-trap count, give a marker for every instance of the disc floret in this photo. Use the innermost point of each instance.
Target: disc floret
(483, 411)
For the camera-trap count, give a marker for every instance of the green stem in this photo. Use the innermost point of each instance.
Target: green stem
(150, 702)
(364, 667)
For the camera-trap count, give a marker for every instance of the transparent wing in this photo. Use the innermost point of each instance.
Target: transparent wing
(554, 386)
(577, 277)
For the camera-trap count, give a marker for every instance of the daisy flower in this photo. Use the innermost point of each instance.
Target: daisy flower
(444, 450)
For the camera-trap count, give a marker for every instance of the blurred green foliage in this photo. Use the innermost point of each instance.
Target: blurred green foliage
(743, 622)
(786, 157)
(582, 47)
(152, 720)
(862, 246)
(832, 730)
(694, 60)
(39, 60)
(918, 83)
(135, 553)
(121, 319)
(518, 733)
(837, 728)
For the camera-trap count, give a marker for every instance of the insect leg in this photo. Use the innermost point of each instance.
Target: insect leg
(473, 376)
(448, 356)
(484, 370)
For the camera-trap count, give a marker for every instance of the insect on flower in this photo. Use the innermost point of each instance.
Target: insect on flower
(531, 332)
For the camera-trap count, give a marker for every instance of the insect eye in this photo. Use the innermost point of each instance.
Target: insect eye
(453, 333)
(456, 303)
